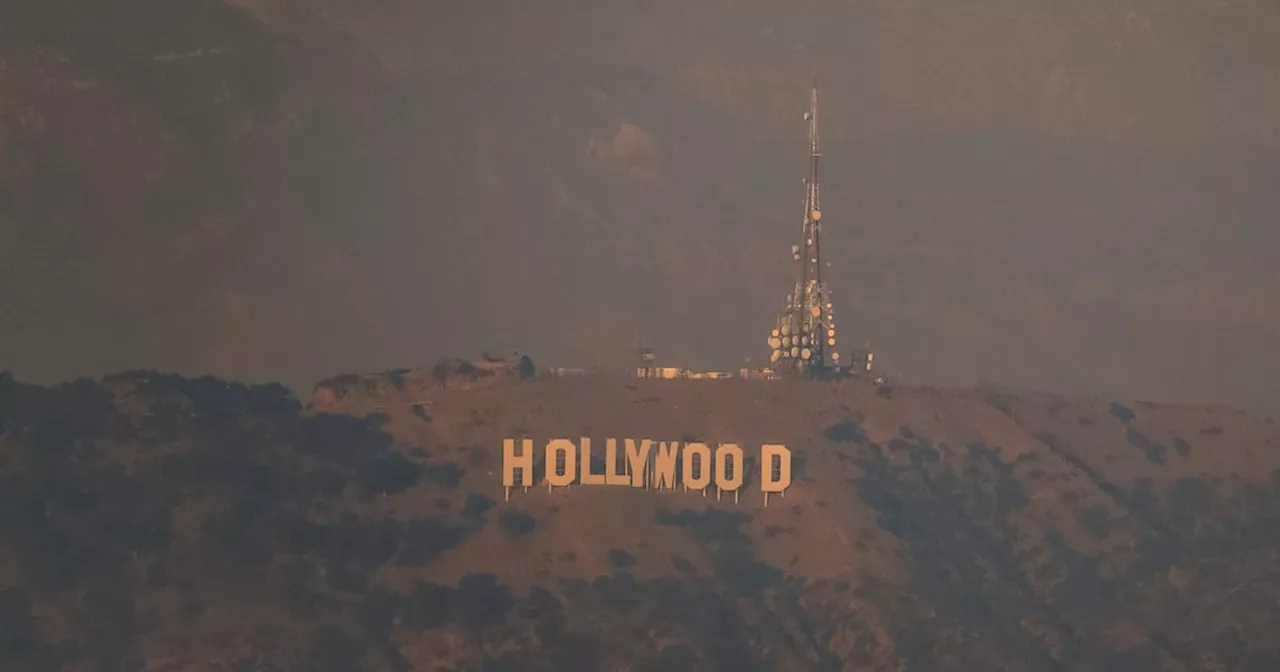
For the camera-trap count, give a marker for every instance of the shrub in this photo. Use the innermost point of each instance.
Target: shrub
(1122, 412)
(620, 559)
(335, 650)
(1153, 451)
(390, 474)
(18, 631)
(846, 432)
(1097, 520)
(477, 456)
(426, 539)
(447, 474)
(429, 607)
(683, 566)
(396, 376)
(515, 523)
(477, 505)
(1191, 495)
(8, 398)
(480, 601)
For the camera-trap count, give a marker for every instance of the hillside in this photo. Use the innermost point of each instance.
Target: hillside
(153, 522)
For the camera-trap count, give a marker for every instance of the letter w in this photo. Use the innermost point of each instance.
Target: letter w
(664, 465)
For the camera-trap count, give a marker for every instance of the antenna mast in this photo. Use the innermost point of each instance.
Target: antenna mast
(803, 342)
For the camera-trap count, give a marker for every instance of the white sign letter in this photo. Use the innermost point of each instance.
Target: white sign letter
(638, 460)
(611, 474)
(729, 467)
(775, 468)
(664, 465)
(589, 478)
(562, 462)
(703, 478)
(511, 461)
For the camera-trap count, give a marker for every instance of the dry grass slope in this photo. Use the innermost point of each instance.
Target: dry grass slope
(156, 522)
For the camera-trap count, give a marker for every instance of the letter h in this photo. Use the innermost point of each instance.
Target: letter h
(511, 462)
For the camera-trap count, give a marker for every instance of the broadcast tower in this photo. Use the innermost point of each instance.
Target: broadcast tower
(803, 341)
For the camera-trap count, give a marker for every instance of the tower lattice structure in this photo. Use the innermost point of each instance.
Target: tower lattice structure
(803, 341)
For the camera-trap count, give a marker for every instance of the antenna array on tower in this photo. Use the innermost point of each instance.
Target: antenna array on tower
(803, 342)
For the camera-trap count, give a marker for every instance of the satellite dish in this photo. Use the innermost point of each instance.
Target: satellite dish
(775, 343)
(817, 215)
(795, 351)
(805, 354)
(815, 311)
(835, 356)
(774, 332)
(773, 356)
(831, 342)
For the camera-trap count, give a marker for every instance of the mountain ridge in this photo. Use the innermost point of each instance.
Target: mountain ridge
(925, 528)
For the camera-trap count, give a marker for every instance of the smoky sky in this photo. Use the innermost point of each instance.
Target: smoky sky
(1075, 197)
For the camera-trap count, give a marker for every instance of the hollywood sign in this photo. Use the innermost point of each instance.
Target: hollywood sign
(645, 464)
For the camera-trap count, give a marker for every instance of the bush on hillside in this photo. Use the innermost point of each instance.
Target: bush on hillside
(390, 474)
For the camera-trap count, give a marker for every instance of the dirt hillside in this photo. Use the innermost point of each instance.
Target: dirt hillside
(160, 523)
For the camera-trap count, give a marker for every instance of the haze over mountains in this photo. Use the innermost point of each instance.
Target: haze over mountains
(1075, 197)
(1072, 197)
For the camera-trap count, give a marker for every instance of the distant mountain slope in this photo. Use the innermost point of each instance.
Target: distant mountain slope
(1074, 197)
(156, 522)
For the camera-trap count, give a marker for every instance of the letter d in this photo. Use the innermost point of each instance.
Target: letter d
(775, 468)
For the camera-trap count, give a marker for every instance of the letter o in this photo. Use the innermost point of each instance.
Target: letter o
(726, 454)
(704, 464)
(555, 449)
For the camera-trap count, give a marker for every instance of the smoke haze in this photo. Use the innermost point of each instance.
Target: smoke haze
(1073, 197)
